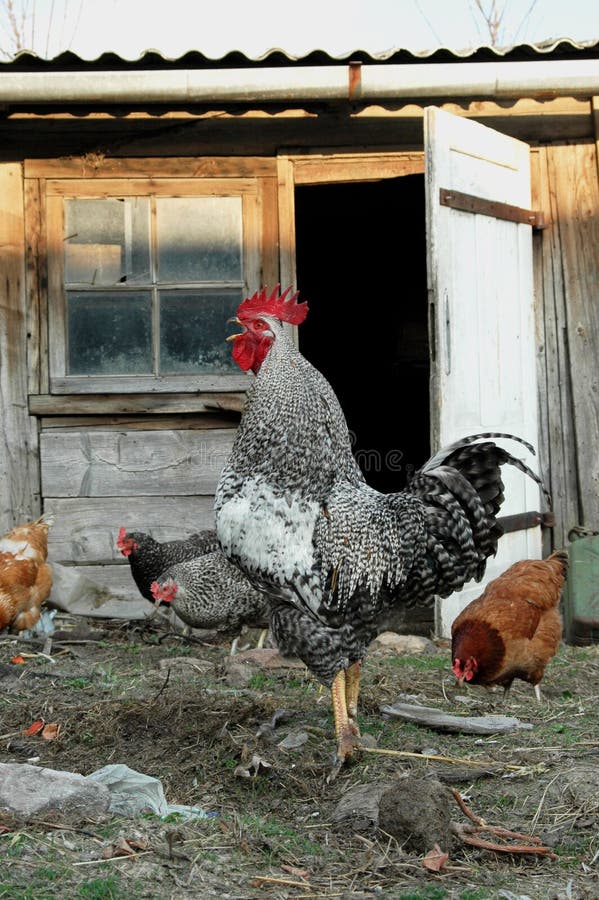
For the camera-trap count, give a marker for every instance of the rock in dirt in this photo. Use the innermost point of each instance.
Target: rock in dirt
(29, 792)
(241, 668)
(391, 642)
(358, 809)
(415, 811)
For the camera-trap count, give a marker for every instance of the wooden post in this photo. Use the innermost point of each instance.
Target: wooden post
(19, 465)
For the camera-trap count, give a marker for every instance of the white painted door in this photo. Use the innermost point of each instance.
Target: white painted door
(481, 293)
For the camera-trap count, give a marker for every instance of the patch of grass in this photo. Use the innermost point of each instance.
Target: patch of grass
(77, 683)
(420, 663)
(260, 681)
(104, 888)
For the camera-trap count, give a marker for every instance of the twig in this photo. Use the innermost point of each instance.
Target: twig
(500, 848)
(168, 675)
(469, 834)
(99, 862)
(58, 827)
(449, 759)
(270, 880)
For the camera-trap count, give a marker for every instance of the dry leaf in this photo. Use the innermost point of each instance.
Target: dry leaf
(51, 731)
(17, 659)
(34, 728)
(252, 768)
(123, 847)
(435, 859)
(293, 870)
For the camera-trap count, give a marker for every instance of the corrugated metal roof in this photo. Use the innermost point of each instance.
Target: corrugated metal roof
(559, 48)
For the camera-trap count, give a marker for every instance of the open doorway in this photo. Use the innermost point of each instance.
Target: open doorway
(361, 265)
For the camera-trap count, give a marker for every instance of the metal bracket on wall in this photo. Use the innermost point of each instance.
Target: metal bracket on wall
(521, 521)
(470, 203)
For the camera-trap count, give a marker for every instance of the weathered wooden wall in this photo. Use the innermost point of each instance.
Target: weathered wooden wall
(94, 481)
(567, 281)
(19, 470)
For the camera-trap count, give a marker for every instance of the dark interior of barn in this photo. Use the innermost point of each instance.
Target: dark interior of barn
(361, 265)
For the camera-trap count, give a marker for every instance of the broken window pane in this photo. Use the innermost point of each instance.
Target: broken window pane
(199, 239)
(107, 241)
(109, 334)
(193, 331)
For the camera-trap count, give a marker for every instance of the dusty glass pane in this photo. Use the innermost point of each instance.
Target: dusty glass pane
(109, 334)
(193, 328)
(107, 241)
(199, 238)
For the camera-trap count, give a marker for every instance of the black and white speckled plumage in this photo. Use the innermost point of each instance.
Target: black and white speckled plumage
(151, 557)
(213, 593)
(340, 560)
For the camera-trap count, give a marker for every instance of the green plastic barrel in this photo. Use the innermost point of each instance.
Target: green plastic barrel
(581, 591)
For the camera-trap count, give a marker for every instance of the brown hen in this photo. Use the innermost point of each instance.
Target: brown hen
(25, 576)
(514, 628)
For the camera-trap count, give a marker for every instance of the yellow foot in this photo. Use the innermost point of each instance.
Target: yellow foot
(346, 725)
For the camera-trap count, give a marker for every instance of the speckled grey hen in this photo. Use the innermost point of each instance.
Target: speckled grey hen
(149, 558)
(339, 560)
(210, 592)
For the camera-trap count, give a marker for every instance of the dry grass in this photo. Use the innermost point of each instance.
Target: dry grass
(193, 725)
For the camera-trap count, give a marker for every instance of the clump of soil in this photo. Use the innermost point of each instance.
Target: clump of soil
(417, 813)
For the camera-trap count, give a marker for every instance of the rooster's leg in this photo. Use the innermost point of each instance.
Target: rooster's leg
(538, 694)
(352, 689)
(346, 729)
(261, 639)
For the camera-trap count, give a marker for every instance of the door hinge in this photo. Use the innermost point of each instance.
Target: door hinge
(520, 521)
(470, 203)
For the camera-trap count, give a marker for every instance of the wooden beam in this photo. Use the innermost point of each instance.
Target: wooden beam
(133, 404)
(97, 166)
(19, 471)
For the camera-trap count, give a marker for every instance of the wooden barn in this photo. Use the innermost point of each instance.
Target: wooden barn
(440, 213)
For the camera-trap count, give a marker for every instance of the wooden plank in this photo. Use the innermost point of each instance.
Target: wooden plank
(115, 578)
(353, 167)
(139, 423)
(34, 260)
(132, 404)
(557, 455)
(140, 384)
(98, 166)
(167, 187)
(19, 471)
(574, 170)
(96, 463)
(85, 529)
(268, 192)
(286, 220)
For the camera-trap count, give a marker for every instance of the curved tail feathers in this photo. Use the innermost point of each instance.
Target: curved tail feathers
(462, 488)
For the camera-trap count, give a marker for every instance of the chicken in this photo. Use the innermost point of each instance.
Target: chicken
(149, 558)
(514, 628)
(25, 576)
(339, 560)
(210, 592)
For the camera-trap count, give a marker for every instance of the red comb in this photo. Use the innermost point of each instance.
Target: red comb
(121, 536)
(282, 307)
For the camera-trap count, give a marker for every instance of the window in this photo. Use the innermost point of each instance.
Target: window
(143, 276)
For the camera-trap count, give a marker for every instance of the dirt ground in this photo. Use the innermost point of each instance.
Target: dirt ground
(253, 743)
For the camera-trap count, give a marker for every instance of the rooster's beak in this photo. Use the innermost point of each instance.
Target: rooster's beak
(235, 321)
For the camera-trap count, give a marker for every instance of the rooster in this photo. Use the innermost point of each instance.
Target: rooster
(340, 561)
(149, 558)
(514, 628)
(210, 592)
(25, 576)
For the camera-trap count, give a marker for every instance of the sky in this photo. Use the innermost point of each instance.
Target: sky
(128, 27)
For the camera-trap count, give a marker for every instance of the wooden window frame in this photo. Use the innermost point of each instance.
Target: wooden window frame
(49, 183)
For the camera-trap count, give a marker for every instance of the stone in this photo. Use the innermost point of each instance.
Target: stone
(31, 792)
